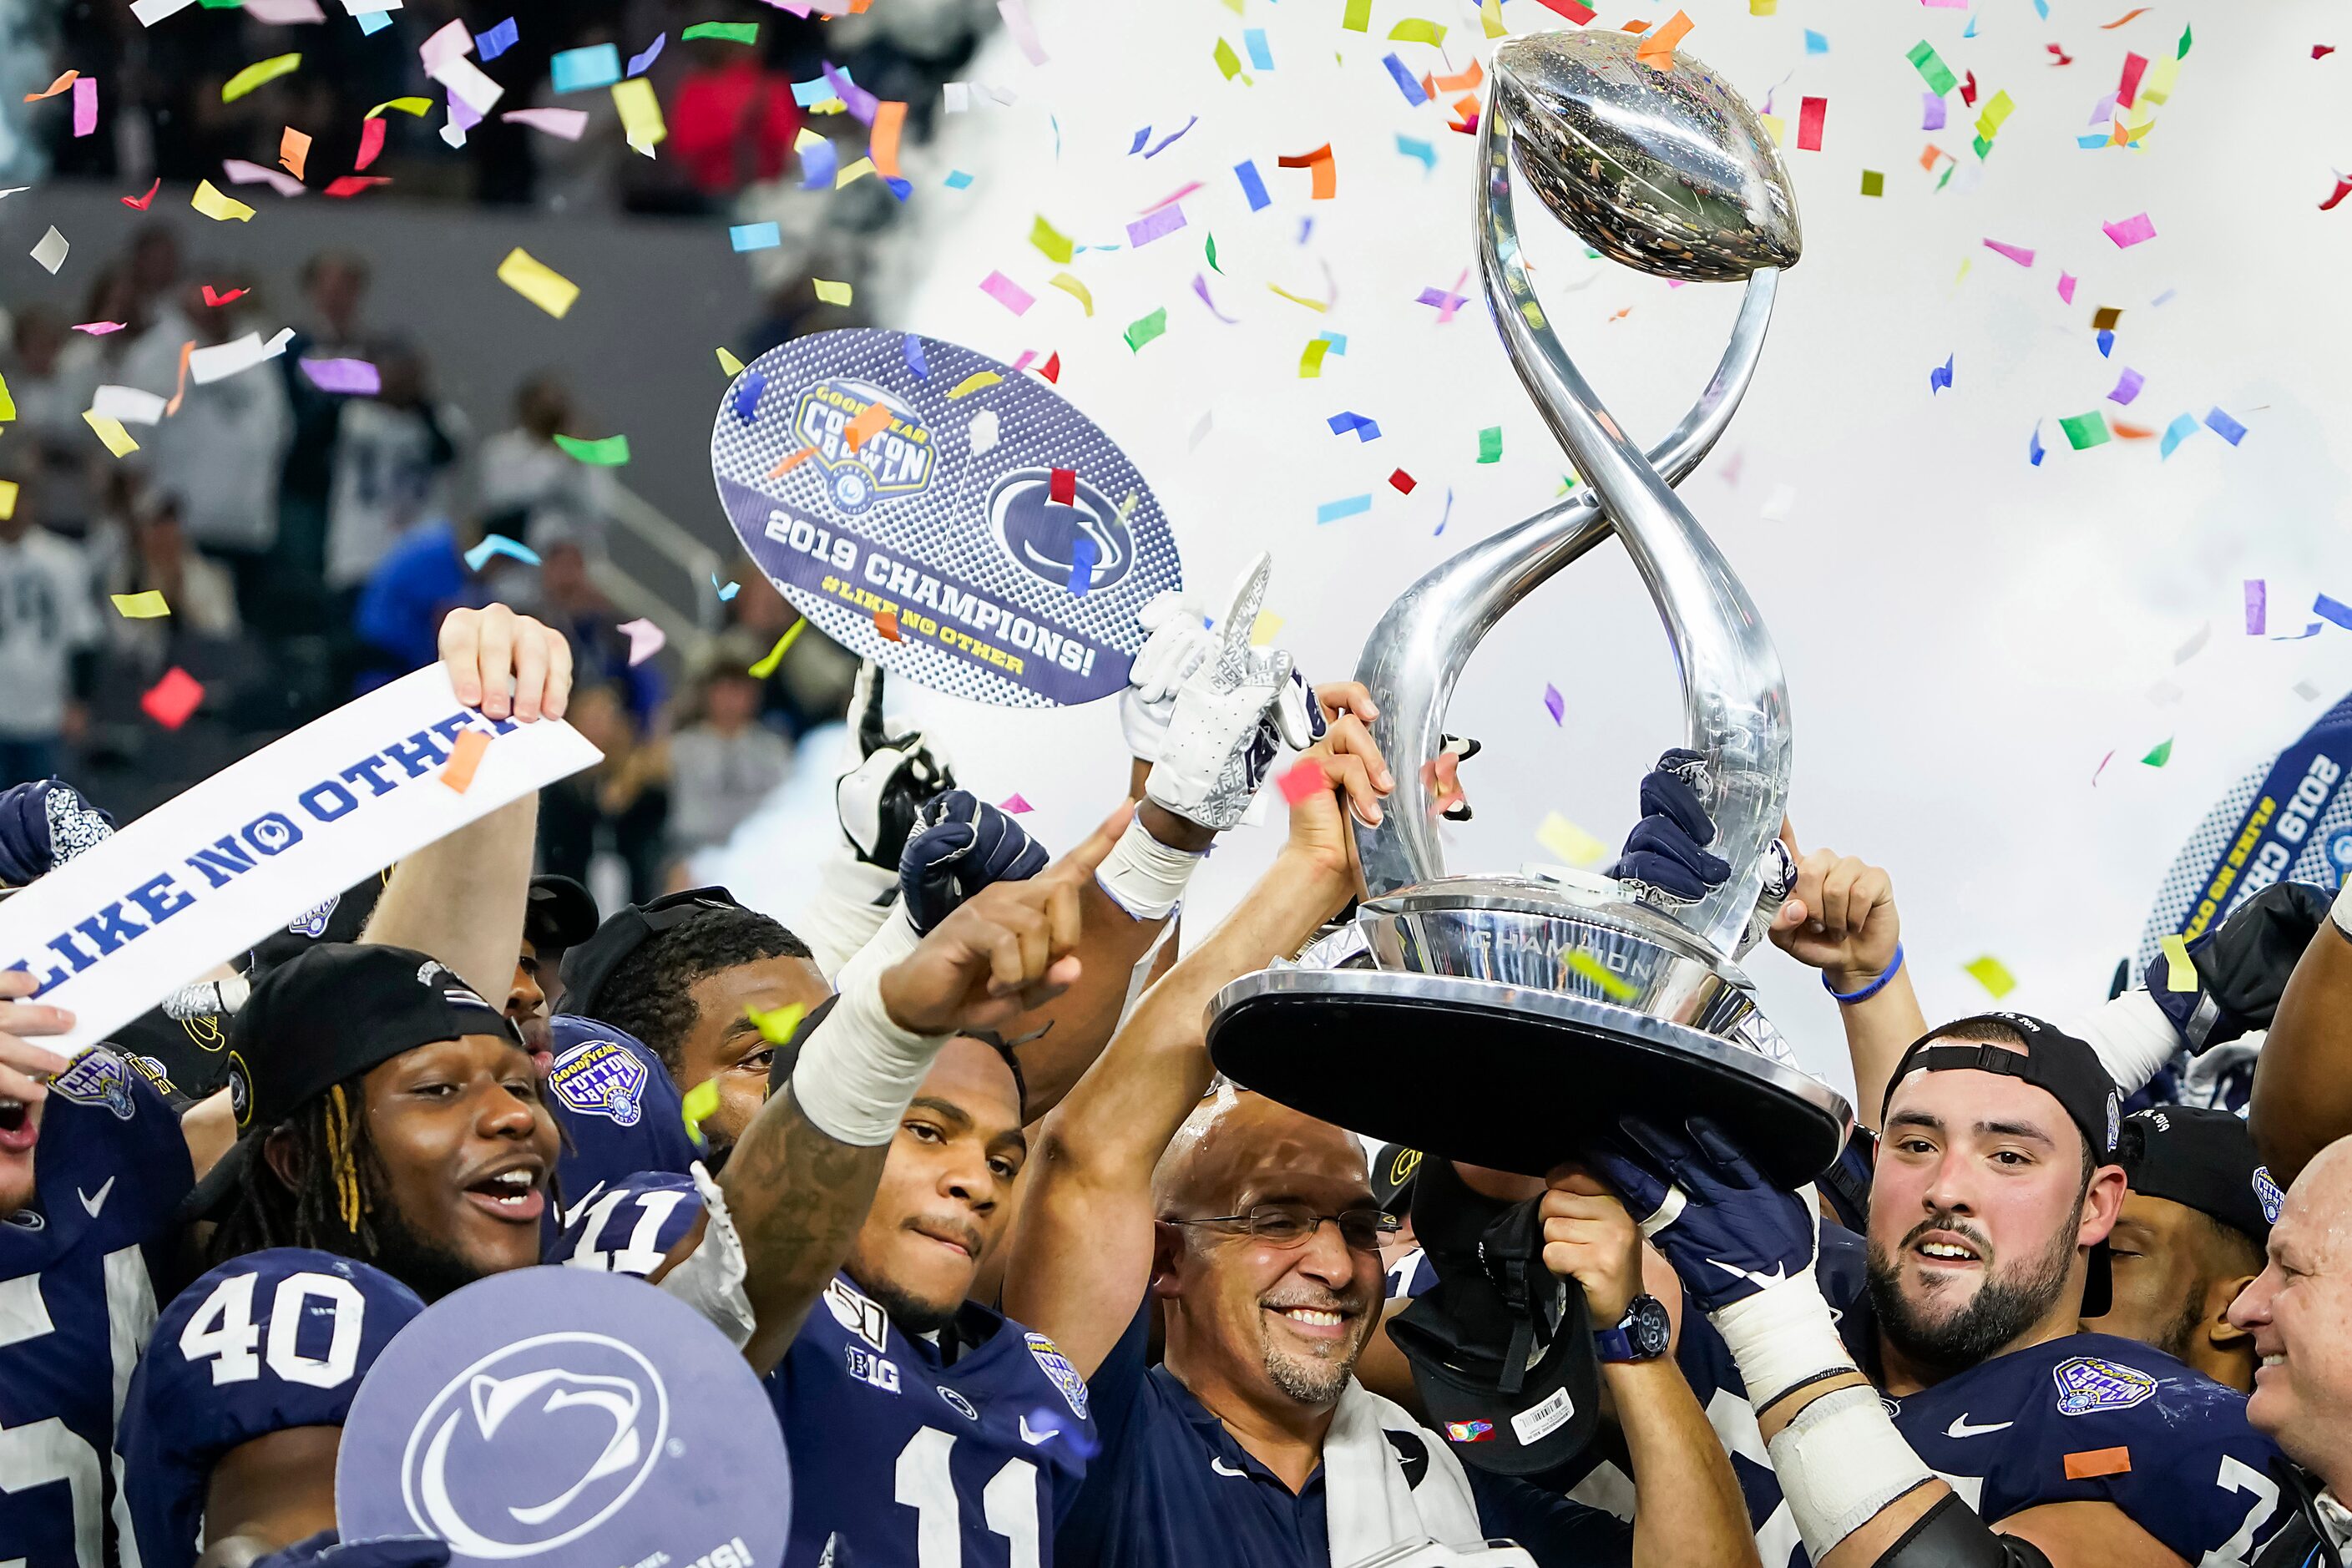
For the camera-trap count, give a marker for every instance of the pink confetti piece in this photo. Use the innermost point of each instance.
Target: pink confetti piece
(645, 639)
(1158, 225)
(1024, 31)
(2101, 768)
(2129, 232)
(98, 329)
(2066, 287)
(2134, 67)
(1810, 112)
(1303, 779)
(1007, 293)
(372, 133)
(567, 123)
(85, 105)
(1013, 806)
(1172, 196)
(2017, 253)
(241, 173)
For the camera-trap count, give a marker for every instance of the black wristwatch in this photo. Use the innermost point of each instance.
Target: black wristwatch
(1643, 1336)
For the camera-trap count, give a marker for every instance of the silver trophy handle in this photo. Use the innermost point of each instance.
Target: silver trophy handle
(1735, 704)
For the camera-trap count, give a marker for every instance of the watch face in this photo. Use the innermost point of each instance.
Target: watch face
(1651, 1331)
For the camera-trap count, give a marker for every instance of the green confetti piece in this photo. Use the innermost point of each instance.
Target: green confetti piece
(2185, 41)
(1144, 329)
(1051, 240)
(1873, 184)
(733, 32)
(1212, 256)
(2161, 755)
(1931, 65)
(1418, 30)
(609, 453)
(701, 1103)
(778, 1025)
(1946, 177)
(1592, 969)
(1992, 974)
(1359, 16)
(1982, 147)
(1490, 444)
(1227, 61)
(2085, 429)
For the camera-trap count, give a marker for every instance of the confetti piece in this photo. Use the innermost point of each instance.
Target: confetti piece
(1051, 242)
(2224, 427)
(577, 71)
(727, 592)
(1013, 806)
(699, 1105)
(140, 203)
(1940, 378)
(216, 207)
(870, 421)
(729, 364)
(568, 123)
(1402, 482)
(128, 405)
(1932, 112)
(542, 285)
(171, 700)
(641, 117)
(146, 606)
(85, 106)
(490, 46)
(2258, 594)
(1069, 285)
(1143, 329)
(2130, 231)
(1229, 65)
(110, 431)
(1407, 83)
(7, 497)
(254, 75)
(1932, 68)
(973, 382)
(789, 461)
(1357, 17)
(1023, 30)
(746, 401)
(1580, 13)
(1261, 56)
(55, 88)
(1311, 361)
(1992, 974)
(1810, 111)
(1157, 226)
(1252, 188)
(1323, 174)
(1347, 506)
(2182, 426)
(1082, 566)
(1345, 422)
(499, 544)
(1418, 30)
(774, 656)
(1658, 46)
(343, 187)
(1554, 703)
(100, 329)
(2034, 450)
(1007, 293)
(465, 756)
(728, 32)
(224, 360)
(241, 173)
(2084, 430)
(2332, 610)
(609, 452)
(1873, 184)
(2160, 756)
(885, 622)
(1490, 444)
(420, 107)
(1303, 779)
(2128, 386)
(2017, 253)
(1318, 305)
(1414, 148)
(51, 251)
(777, 1026)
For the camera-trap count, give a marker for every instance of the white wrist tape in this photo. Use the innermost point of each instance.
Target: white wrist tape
(859, 1069)
(1840, 1461)
(1782, 1336)
(851, 901)
(2132, 1038)
(1144, 877)
(710, 1279)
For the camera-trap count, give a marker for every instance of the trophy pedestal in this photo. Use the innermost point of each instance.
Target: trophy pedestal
(1467, 1018)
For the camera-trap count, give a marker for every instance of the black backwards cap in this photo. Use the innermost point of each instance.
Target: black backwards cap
(1393, 1165)
(1501, 1347)
(2202, 1160)
(588, 967)
(2057, 1063)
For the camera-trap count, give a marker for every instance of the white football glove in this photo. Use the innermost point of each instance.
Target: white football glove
(1228, 714)
(888, 780)
(1179, 643)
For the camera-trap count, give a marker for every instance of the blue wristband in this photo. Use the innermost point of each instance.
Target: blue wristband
(1873, 989)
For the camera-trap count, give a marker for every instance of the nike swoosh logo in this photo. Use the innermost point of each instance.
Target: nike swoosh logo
(1960, 1427)
(92, 1204)
(1222, 1468)
(1032, 1436)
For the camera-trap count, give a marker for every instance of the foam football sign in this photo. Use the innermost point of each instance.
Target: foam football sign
(569, 1419)
(995, 545)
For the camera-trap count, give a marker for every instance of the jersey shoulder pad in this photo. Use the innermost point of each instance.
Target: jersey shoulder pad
(630, 1227)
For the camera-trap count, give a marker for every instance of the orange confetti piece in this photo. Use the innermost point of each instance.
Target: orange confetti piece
(870, 423)
(465, 756)
(181, 390)
(1466, 82)
(789, 461)
(1636, 25)
(1324, 174)
(1660, 46)
(889, 119)
(2111, 26)
(293, 151)
(1928, 156)
(2129, 432)
(54, 88)
(2089, 1462)
(887, 622)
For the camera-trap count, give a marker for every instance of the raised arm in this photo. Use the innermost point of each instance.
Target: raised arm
(1841, 920)
(2302, 1079)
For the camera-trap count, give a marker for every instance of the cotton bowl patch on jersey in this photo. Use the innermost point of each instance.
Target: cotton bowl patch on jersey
(97, 1077)
(571, 1417)
(2267, 1194)
(1056, 1366)
(601, 1077)
(2092, 1382)
(1009, 540)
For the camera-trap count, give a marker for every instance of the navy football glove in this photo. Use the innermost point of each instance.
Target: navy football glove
(1666, 850)
(960, 844)
(43, 824)
(1727, 1231)
(2242, 965)
(326, 1549)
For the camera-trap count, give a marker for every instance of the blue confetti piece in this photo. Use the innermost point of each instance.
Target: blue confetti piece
(957, 180)
(819, 164)
(1815, 44)
(2088, 143)
(754, 235)
(1407, 83)
(2041, 9)
(1254, 40)
(1940, 378)
(1448, 515)
(1971, 30)
(747, 394)
(899, 188)
(912, 346)
(637, 63)
(1348, 506)
(2182, 426)
(818, 89)
(1082, 565)
(1344, 421)
(1338, 341)
(1140, 138)
(2106, 344)
(1252, 186)
(490, 46)
(1420, 150)
(2333, 610)
(2034, 450)
(2224, 427)
(727, 592)
(1162, 145)
(499, 544)
(576, 71)
(374, 22)
(1306, 227)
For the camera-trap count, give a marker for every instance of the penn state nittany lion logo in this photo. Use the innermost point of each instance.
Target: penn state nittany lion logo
(97, 1077)
(893, 461)
(1045, 537)
(240, 1090)
(535, 1445)
(601, 1077)
(2092, 1382)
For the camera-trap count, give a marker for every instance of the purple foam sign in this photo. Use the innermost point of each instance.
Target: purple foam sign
(570, 1419)
(930, 540)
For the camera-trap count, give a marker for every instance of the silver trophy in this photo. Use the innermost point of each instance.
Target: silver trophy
(1505, 1019)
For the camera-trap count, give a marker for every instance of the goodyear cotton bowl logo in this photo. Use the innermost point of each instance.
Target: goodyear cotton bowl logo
(601, 1077)
(1045, 538)
(895, 460)
(2088, 1383)
(535, 1445)
(2267, 1194)
(97, 1078)
(1058, 1370)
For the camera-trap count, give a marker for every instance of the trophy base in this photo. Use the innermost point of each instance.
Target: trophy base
(1505, 1076)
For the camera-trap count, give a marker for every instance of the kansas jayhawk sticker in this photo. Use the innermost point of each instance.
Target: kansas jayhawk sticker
(601, 1077)
(2089, 1383)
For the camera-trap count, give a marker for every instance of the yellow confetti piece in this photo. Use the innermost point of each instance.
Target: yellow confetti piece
(1310, 361)
(1961, 276)
(1490, 15)
(701, 1102)
(544, 287)
(1567, 841)
(1263, 629)
(1076, 290)
(110, 431)
(2157, 85)
(1418, 30)
(1052, 241)
(7, 500)
(1227, 61)
(777, 1026)
(1615, 988)
(833, 294)
(216, 207)
(1763, 7)
(146, 606)
(1992, 974)
(1316, 305)
(417, 106)
(1996, 109)
(7, 404)
(729, 364)
(641, 115)
(1772, 124)
(2179, 971)
(774, 656)
(973, 382)
(857, 171)
(257, 73)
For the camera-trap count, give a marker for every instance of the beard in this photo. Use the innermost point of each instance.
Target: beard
(424, 1265)
(2004, 1307)
(913, 1315)
(2177, 1336)
(1316, 1377)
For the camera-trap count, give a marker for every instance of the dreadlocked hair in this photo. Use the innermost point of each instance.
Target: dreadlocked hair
(337, 1183)
(650, 992)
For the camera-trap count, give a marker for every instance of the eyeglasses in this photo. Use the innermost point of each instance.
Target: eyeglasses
(1291, 1224)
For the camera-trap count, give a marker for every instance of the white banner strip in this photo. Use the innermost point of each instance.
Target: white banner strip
(201, 877)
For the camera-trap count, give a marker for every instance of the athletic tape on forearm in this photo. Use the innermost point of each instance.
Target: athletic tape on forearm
(1782, 1337)
(1839, 1462)
(710, 1279)
(859, 1069)
(2132, 1038)
(851, 901)
(1143, 876)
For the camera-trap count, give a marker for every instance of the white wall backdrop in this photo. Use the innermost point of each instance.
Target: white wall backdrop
(1966, 635)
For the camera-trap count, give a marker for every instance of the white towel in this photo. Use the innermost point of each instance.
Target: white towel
(1370, 1509)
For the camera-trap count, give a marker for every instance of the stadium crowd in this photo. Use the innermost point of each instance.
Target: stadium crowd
(959, 1135)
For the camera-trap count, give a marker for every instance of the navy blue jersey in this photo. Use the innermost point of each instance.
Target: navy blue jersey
(1172, 1489)
(629, 1226)
(265, 1342)
(76, 1304)
(619, 1111)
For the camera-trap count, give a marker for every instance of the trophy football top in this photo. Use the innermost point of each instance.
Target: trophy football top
(1668, 171)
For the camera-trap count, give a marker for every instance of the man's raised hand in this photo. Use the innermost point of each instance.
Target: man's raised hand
(492, 651)
(1841, 919)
